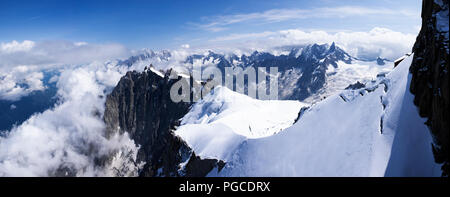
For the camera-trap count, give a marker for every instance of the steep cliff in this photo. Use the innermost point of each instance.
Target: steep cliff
(140, 104)
(429, 69)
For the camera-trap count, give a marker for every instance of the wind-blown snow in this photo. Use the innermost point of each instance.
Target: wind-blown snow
(372, 132)
(217, 124)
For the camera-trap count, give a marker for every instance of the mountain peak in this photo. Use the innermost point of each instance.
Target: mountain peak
(380, 61)
(332, 48)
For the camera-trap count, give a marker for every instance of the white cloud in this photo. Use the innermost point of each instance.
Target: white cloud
(71, 135)
(220, 23)
(243, 36)
(22, 63)
(20, 82)
(80, 43)
(15, 46)
(51, 53)
(185, 46)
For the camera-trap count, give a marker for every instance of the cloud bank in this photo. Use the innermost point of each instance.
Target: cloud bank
(68, 140)
(19, 82)
(51, 53)
(22, 63)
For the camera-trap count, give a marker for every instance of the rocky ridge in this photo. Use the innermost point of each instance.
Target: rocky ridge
(430, 83)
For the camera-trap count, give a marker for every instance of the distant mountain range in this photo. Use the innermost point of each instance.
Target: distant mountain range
(306, 73)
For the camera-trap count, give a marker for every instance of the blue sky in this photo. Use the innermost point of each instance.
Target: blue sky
(169, 24)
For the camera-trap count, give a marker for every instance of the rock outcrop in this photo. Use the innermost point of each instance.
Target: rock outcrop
(355, 86)
(429, 69)
(141, 105)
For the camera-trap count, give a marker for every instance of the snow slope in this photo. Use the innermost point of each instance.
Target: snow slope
(374, 131)
(345, 74)
(224, 119)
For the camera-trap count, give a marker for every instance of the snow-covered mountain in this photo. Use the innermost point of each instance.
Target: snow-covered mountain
(224, 119)
(370, 131)
(147, 55)
(306, 73)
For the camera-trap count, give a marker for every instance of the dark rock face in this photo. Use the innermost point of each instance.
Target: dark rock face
(196, 167)
(355, 86)
(380, 61)
(430, 83)
(140, 104)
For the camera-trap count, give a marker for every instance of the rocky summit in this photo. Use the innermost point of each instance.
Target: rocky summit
(140, 104)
